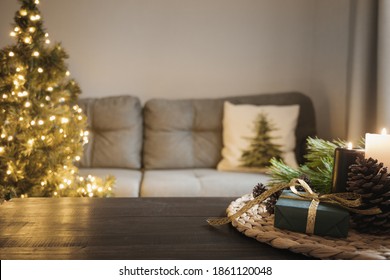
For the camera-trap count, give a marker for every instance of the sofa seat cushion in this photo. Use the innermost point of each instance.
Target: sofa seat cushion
(199, 182)
(127, 182)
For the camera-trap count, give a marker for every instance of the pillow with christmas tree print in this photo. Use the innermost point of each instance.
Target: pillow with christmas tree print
(252, 135)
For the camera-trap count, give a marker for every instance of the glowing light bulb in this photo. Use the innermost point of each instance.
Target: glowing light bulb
(41, 105)
(46, 35)
(17, 29)
(2, 135)
(5, 96)
(64, 120)
(10, 138)
(67, 73)
(35, 17)
(80, 118)
(11, 54)
(47, 98)
(1, 150)
(41, 122)
(27, 40)
(21, 77)
(21, 118)
(62, 186)
(36, 2)
(52, 118)
(61, 100)
(9, 172)
(77, 158)
(27, 104)
(47, 41)
(49, 89)
(43, 137)
(23, 13)
(32, 122)
(40, 70)
(36, 54)
(31, 29)
(55, 193)
(18, 69)
(22, 94)
(30, 142)
(12, 34)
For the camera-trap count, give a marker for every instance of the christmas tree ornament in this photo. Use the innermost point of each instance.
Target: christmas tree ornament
(371, 180)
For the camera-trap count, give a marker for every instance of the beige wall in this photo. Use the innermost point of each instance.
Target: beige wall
(204, 48)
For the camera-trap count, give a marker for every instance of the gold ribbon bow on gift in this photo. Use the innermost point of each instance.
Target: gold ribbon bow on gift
(346, 200)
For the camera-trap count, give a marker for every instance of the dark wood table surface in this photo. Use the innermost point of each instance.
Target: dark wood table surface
(124, 229)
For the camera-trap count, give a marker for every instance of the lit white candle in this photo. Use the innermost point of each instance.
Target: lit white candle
(378, 147)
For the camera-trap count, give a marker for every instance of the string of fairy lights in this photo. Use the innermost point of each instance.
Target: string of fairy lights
(57, 122)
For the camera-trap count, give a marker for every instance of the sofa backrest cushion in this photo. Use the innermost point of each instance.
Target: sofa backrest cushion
(188, 133)
(115, 132)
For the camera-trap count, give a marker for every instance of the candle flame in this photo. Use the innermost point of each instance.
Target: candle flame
(349, 146)
(384, 131)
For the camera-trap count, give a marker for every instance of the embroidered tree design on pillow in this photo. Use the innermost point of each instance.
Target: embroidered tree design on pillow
(261, 148)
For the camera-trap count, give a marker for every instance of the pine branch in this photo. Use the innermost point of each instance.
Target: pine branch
(319, 165)
(282, 173)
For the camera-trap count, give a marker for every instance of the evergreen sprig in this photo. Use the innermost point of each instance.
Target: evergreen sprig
(318, 166)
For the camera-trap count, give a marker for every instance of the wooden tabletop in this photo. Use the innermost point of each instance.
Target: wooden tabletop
(124, 229)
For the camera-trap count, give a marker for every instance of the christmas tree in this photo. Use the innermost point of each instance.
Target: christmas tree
(261, 149)
(42, 129)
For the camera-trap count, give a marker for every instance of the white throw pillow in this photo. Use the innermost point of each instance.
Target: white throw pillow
(252, 135)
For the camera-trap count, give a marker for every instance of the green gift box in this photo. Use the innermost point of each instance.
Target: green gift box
(291, 213)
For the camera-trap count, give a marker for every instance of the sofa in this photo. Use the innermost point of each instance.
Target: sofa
(171, 148)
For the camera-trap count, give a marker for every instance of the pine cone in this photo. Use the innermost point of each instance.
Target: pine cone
(307, 180)
(258, 189)
(370, 179)
(269, 202)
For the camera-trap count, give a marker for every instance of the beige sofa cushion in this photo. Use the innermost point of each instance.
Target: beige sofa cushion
(198, 182)
(182, 133)
(115, 126)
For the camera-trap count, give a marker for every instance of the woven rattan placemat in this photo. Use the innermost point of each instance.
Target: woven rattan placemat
(258, 223)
